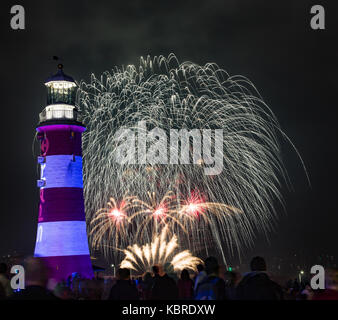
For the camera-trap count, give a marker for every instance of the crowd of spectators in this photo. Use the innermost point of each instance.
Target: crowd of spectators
(209, 282)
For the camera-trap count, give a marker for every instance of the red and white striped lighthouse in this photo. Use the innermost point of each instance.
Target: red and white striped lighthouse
(61, 236)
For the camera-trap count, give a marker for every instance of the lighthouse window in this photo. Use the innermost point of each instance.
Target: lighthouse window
(61, 92)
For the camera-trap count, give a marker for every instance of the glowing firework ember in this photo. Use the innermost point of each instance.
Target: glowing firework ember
(151, 215)
(165, 94)
(159, 251)
(111, 222)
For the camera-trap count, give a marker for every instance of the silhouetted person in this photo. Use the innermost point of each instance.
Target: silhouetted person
(212, 287)
(296, 286)
(36, 279)
(185, 286)
(306, 293)
(2, 292)
(164, 287)
(169, 270)
(230, 278)
(5, 285)
(63, 292)
(146, 286)
(125, 288)
(256, 285)
(200, 276)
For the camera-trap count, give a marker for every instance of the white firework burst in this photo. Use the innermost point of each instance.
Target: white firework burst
(171, 95)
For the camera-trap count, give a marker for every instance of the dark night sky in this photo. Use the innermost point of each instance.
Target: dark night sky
(270, 42)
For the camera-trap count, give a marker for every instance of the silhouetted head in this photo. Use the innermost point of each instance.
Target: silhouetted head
(185, 274)
(169, 268)
(229, 278)
(258, 264)
(200, 267)
(123, 274)
(155, 270)
(211, 265)
(63, 292)
(3, 268)
(331, 279)
(36, 272)
(161, 270)
(147, 277)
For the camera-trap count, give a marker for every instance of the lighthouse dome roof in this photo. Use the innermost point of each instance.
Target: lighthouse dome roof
(59, 76)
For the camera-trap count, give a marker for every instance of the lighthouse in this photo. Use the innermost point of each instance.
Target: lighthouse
(61, 234)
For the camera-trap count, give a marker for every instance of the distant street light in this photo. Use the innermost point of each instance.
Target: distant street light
(113, 266)
(300, 276)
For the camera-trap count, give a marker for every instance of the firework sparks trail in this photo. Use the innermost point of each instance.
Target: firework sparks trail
(140, 221)
(133, 220)
(111, 221)
(154, 214)
(159, 251)
(166, 94)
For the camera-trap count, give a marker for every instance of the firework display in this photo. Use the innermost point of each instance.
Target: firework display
(223, 209)
(159, 251)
